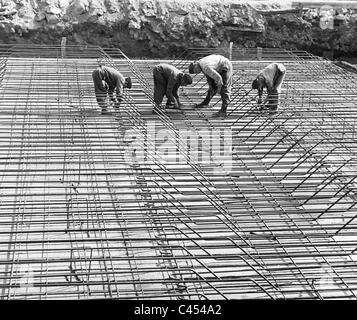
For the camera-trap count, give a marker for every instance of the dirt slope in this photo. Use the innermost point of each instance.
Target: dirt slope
(164, 27)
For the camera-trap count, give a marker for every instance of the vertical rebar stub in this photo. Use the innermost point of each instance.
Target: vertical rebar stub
(63, 47)
(230, 50)
(259, 53)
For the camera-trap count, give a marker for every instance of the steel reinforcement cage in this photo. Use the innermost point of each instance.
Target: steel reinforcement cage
(179, 204)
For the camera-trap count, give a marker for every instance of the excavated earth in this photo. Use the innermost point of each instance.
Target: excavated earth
(163, 28)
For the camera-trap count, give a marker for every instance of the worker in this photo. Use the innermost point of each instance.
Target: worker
(167, 80)
(218, 71)
(106, 81)
(271, 77)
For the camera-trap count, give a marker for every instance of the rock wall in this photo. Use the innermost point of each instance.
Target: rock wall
(164, 28)
(315, 31)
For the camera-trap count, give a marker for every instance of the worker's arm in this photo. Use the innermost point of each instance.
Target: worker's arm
(110, 93)
(106, 89)
(169, 91)
(210, 72)
(119, 93)
(175, 94)
(270, 88)
(102, 85)
(260, 95)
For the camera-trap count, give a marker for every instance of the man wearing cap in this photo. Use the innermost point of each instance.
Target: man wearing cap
(218, 71)
(271, 77)
(106, 81)
(167, 80)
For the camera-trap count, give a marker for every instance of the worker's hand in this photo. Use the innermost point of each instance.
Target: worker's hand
(200, 105)
(117, 103)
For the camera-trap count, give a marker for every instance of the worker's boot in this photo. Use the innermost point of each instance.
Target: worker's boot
(273, 109)
(273, 106)
(105, 111)
(223, 112)
(171, 105)
(205, 102)
(201, 105)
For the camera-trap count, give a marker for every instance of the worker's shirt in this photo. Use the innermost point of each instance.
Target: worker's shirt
(269, 74)
(213, 65)
(115, 81)
(172, 75)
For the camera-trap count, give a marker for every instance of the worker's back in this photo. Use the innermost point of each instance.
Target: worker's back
(216, 62)
(111, 76)
(168, 71)
(270, 70)
(273, 75)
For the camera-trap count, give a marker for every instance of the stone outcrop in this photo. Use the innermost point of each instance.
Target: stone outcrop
(166, 27)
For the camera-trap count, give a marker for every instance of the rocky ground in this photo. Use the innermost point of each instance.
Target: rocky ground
(162, 28)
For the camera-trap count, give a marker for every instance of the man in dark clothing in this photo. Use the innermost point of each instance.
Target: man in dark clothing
(106, 81)
(167, 80)
(218, 71)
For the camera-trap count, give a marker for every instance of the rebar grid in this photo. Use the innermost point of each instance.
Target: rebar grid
(83, 215)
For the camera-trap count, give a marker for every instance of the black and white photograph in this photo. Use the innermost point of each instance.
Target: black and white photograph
(194, 152)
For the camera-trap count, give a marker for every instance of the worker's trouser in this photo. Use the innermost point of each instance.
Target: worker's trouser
(160, 87)
(100, 90)
(225, 90)
(274, 94)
